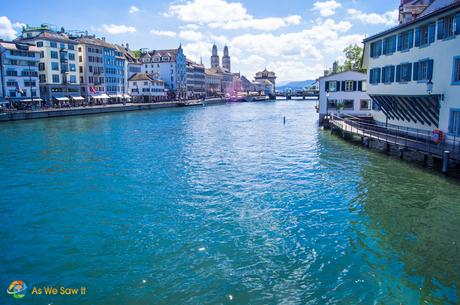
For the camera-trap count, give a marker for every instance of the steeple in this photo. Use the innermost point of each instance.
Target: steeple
(214, 57)
(226, 63)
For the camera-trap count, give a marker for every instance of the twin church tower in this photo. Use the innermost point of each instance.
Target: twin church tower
(226, 64)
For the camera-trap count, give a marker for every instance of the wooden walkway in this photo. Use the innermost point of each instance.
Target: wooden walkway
(404, 138)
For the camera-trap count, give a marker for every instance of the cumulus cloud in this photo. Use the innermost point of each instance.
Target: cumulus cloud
(191, 35)
(116, 29)
(388, 18)
(133, 9)
(326, 8)
(8, 29)
(163, 33)
(227, 15)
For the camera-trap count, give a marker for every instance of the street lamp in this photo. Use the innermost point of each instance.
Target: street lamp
(429, 87)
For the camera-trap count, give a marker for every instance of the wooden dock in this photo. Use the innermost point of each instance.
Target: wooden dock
(404, 138)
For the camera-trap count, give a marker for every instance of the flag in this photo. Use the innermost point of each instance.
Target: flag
(92, 89)
(19, 89)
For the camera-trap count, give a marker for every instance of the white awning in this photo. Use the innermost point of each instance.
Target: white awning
(126, 96)
(97, 97)
(104, 95)
(120, 95)
(30, 100)
(78, 98)
(113, 96)
(62, 99)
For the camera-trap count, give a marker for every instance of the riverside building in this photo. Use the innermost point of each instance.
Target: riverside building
(57, 69)
(344, 93)
(19, 73)
(414, 69)
(169, 66)
(145, 88)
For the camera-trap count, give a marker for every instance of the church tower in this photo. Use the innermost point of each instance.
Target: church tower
(214, 57)
(226, 64)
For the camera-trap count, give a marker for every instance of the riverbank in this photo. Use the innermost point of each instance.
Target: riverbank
(51, 113)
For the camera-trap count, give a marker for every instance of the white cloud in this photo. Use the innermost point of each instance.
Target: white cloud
(326, 8)
(254, 61)
(7, 29)
(388, 18)
(133, 9)
(197, 50)
(191, 35)
(265, 24)
(116, 29)
(163, 33)
(226, 15)
(190, 26)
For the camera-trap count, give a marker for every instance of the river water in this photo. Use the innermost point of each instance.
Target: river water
(220, 205)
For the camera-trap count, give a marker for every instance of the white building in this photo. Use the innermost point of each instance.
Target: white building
(58, 73)
(344, 93)
(170, 66)
(19, 72)
(143, 87)
(414, 70)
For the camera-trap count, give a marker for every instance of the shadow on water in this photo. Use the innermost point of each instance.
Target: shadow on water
(408, 228)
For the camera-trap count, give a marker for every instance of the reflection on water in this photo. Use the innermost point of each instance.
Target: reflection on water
(221, 205)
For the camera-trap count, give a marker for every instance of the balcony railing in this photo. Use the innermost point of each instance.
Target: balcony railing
(411, 138)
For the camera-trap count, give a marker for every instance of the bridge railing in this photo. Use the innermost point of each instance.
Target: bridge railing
(399, 135)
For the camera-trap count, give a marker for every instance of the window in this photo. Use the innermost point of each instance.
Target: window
(42, 78)
(73, 79)
(39, 44)
(374, 76)
(404, 73)
(72, 67)
(454, 122)
(53, 44)
(71, 47)
(62, 45)
(54, 66)
(423, 70)
(349, 85)
(388, 74)
(405, 40)
(55, 78)
(447, 26)
(364, 105)
(71, 56)
(456, 76)
(389, 45)
(348, 104)
(54, 54)
(41, 66)
(331, 86)
(424, 35)
(376, 49)
(362, 86)
(331, 104)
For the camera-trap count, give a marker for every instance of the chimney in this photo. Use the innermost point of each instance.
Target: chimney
(326, 72)
(335, 67)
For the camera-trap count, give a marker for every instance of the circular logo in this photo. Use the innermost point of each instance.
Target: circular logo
(17, 289)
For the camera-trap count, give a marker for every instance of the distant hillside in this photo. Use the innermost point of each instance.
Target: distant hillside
(294, 85)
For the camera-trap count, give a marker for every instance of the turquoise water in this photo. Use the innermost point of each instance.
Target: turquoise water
(220, 205)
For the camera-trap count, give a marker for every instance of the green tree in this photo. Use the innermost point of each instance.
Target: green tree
(353, 58)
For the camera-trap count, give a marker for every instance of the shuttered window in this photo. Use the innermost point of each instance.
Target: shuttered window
(454, 123)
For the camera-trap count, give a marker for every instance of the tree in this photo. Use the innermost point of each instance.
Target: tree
(353, 58)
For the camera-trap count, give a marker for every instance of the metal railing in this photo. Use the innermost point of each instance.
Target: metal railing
(411, 138)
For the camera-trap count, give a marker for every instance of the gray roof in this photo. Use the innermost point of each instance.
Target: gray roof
(436, 5)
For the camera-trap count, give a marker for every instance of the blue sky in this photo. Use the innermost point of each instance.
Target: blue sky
(297, 39)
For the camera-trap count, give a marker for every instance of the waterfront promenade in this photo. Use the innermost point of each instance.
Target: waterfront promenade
(85, 110)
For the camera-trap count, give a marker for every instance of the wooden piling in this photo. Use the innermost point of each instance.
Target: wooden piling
(445, 161)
